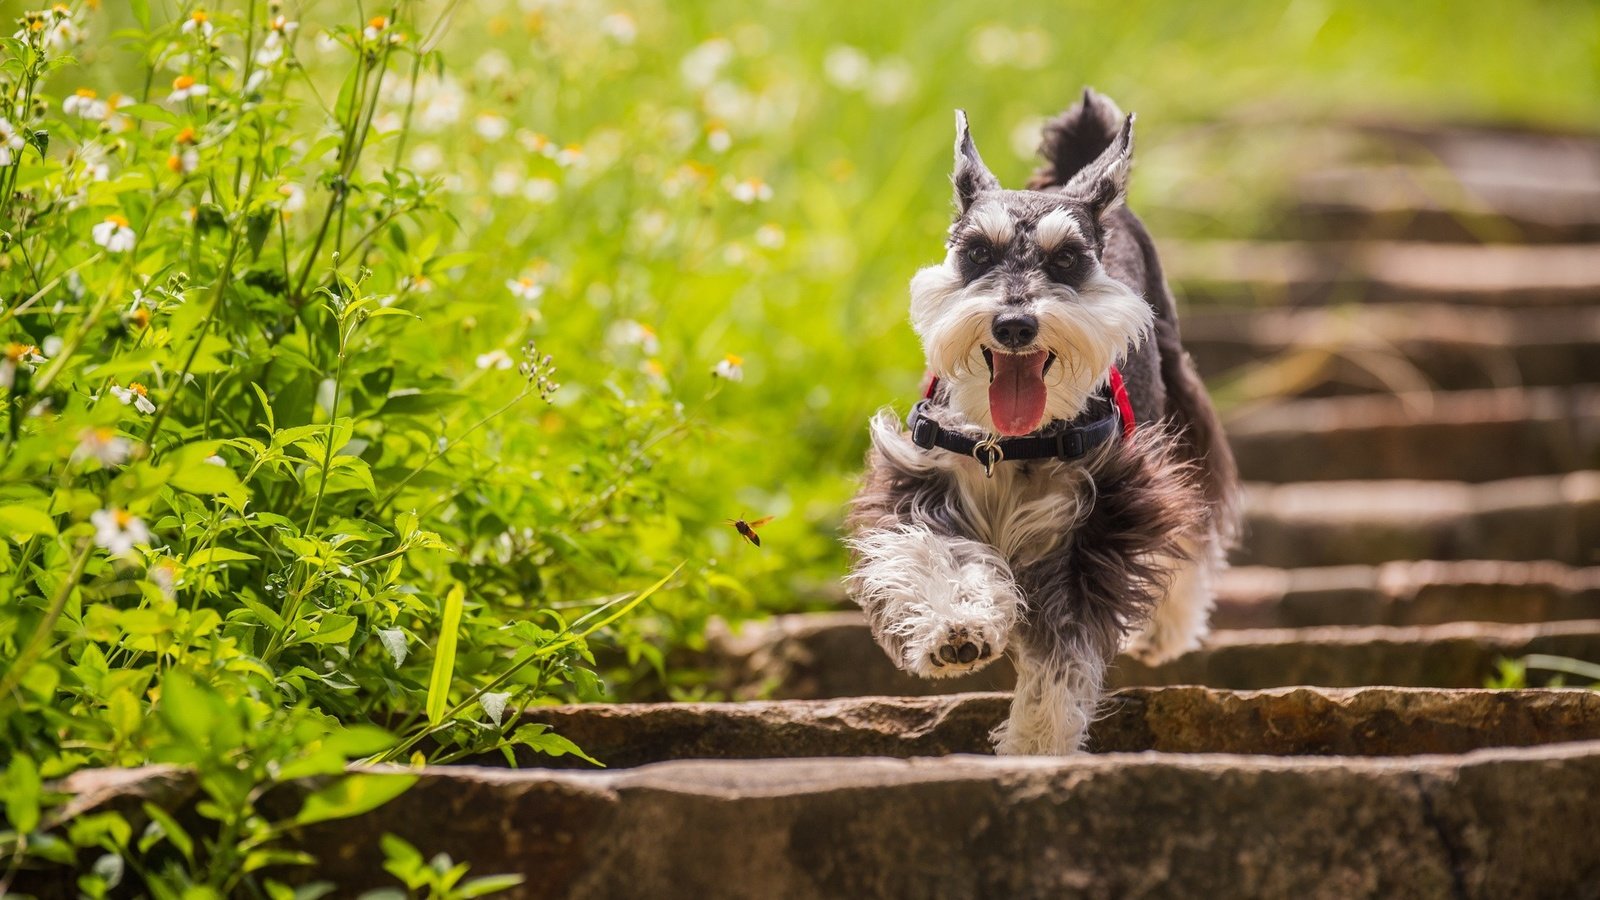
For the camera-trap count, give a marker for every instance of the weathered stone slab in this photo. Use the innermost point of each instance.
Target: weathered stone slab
(1404, 345)
(1292, 721)
(1454, 436)
(1406, 593)
(1460, 654)
(1259, 273)
(1435, 204)
(1335, 523)
(827, 655)
(1489, 824)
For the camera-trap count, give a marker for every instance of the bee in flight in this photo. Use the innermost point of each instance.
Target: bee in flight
(747, 530)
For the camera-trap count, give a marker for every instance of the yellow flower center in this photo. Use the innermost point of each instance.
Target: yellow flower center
(199, 15)
(378, 23)
(85, 93)
(733, 360)
(122, 517)
(186, 136)
(15, 352)
(117, 220)
(138, 388)
(140, 317)
(183, 82)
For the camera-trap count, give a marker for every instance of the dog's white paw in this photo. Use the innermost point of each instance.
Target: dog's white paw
(948, 648)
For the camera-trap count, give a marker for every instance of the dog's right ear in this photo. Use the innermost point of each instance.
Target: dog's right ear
(971, 176)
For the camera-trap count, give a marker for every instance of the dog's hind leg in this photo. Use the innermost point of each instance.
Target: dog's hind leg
(939, 605)
(1053, 705)
(1182, 617)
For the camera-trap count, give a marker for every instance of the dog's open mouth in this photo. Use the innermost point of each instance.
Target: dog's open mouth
(1016, 389)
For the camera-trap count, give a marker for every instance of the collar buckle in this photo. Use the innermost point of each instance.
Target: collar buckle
(988, 452)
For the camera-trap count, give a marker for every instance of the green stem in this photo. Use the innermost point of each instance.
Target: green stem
(41, 634)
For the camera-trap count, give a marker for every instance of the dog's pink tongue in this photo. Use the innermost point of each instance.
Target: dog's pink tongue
(1016, 395)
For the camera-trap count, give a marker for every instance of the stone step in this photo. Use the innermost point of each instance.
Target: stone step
(1454, 436)
(1333, 523)
(1406, 593)
(1287, 721)
(1265, 273)
(1401, 346)
(810, 656)
(1414, 203)
(1492, 823)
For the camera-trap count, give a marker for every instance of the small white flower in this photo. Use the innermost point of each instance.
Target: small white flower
(491, 127)
(847, 67)
(701, 65)
(540, 190)
(730, 367)
(85, 104)
(257, 78)
(215, 460)
(198, 23)
(376, 26)
(184, 87)
(427, 157)
(279, 30)
(164, 575)
(115, 122)
(655, 373)
(11, 142)
(103, 444)
(420, 284)
(620, 27)
(184, 160)
(17, 356)
(718, 139)
(569, 156)
(294, 198)
(630, 333)
(136, 394)
(494, 359)
(506, 180)
(525, 288)
(769, 237)
(114, 234)
(118, 531)
(751, 190)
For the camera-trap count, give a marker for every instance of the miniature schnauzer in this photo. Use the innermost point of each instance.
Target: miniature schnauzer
(1064, 490)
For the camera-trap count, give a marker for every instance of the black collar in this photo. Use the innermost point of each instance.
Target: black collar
(1066, 442)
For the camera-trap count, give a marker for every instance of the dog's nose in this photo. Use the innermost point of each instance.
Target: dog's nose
(1015, 331)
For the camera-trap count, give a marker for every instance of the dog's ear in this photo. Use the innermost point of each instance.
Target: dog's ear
(971, 176)
(1103, 184)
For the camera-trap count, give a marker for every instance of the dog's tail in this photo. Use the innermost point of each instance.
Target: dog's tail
(1075, 139)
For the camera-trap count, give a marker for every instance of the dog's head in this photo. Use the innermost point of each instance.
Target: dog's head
(1021, 322)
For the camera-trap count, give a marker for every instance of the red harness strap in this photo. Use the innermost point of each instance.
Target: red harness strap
(1119, 397)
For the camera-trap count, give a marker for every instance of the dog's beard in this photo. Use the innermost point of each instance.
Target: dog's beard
(1082, 334)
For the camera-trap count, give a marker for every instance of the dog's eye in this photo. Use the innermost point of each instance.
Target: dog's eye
(1065, 261)
(979, 255)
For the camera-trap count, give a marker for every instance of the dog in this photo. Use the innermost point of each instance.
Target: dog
(1064, 491)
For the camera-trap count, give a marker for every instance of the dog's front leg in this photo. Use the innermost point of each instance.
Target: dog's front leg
(1054, 703)
(939, 605)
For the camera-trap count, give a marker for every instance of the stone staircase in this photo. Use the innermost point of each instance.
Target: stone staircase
(1426, 505)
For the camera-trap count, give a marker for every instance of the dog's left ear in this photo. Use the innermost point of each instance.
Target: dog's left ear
(971, 176)
(1103, 184)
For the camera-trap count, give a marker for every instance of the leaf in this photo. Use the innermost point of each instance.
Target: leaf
(211, 555)
(21, 520)
(549, 743)
(394, 641)
(207, 479)
(335, 628)
(444, 658)
(495, 705)
(170, 829)
(141, 12)
(263, 612)
(352, 795)
(488, 884)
